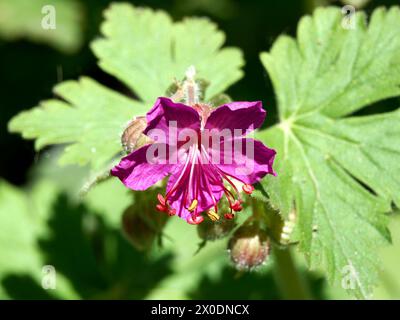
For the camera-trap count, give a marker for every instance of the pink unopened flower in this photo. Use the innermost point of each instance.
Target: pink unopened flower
(206, 156)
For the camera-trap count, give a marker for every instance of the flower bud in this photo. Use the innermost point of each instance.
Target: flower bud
(213, 230)
(133, 138)
(141, 228)
(249, 247)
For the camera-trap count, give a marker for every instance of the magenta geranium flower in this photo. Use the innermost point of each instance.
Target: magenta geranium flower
(206, 155)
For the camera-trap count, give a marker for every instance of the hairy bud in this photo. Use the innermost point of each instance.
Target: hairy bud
(249, 247)
(141, 225)
(133, 138)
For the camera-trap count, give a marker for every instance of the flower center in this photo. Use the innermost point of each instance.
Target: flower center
(198, 177)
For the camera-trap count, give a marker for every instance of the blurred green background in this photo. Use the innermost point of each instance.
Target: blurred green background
(43, 221)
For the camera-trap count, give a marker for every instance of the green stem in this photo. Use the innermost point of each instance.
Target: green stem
(288, 278)
(291, 283)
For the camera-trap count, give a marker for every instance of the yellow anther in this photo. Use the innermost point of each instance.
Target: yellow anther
(193, 205)
(213, 215)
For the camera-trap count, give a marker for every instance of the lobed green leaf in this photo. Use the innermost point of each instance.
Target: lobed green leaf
(339, 174)
(147, 51)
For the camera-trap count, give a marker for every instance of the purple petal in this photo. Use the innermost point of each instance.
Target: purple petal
(245, 116)
(164, 113)
(247, 160)
(205, 187)
(139, 173)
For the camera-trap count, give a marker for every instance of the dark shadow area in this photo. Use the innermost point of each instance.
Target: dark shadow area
(24, 287)
(382, 106)
(234, 285)
(70, 249)
(251, 285)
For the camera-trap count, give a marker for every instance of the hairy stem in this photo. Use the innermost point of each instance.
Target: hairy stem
(287, 276)
(290, 281)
